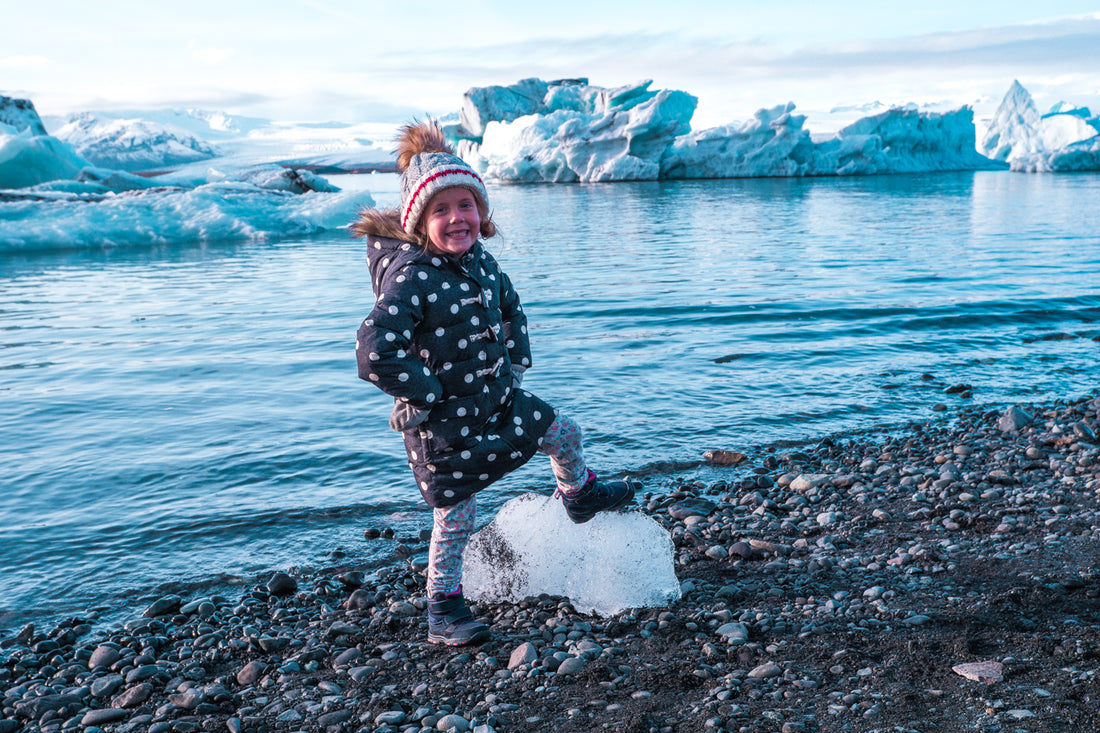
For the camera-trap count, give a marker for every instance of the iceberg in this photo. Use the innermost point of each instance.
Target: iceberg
(28, 160)
(20, 115)
(616, 561)
(53, 197)
(576, 133)
(1079, 156)
(1064, 139)
(567, 131)
(70, 215)
(482, 105)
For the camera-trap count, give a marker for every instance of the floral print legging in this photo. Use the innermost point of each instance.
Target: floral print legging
(452, 525)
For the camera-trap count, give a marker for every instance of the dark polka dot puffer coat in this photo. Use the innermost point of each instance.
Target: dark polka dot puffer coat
(443, 336)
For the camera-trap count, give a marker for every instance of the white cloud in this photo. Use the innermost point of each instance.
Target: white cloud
(208, 55)
(24, 62)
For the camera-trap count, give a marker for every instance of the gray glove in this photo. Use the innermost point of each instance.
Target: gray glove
(405, 416)
(517, 375)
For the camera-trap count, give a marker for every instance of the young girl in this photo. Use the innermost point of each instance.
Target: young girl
(447, 338)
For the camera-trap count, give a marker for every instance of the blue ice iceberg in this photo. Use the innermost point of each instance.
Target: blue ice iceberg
(577, 132)
(616, 561)
(1065, 139)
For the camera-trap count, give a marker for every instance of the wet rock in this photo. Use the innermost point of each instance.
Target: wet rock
(1013, 419)
(251, 673)
(37, 707)
(163, 606)
(103, 656)
(691, 507)
(104, 716)
(723, 457)
(352, 579)
(105, 687)
(133, 696)
(360, 600)
(347, 658)
(281, 584)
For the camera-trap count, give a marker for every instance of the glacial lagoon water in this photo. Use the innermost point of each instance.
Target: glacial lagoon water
(181, 418)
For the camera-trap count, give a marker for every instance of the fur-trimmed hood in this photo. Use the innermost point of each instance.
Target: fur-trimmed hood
(380, 223)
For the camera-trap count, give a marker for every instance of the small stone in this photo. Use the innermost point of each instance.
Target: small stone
(106, 686)
(572, 665)
(36, 707)
(743, 550)
(723, 457)
(103, 656)
(251, 673)
(717, 552)
(692, 507)
(336, 717)
(352, 578)
(188, 699)
(456, 722)
(390, 717)
(525, 653)
(281, 584)
(987, 672)
(144, 672)
(1013, 419)
(343, 628)
(767, 670)
(104, 715)
(360, 600)
(133, 696)
(163, 607)
(347, 658)
(403, 608)
(734, 632)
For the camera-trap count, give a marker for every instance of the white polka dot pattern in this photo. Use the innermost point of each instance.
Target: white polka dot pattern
(441, 336)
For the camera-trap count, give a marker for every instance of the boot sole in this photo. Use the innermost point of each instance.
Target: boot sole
(479, 638)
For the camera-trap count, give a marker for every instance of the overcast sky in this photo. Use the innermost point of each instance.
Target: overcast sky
(360, 61)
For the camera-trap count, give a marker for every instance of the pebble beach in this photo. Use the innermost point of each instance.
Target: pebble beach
(942, 577)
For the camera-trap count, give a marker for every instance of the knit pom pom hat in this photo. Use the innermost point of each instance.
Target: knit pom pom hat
(428, 165)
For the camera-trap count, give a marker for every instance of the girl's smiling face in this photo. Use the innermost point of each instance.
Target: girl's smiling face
(451, 221)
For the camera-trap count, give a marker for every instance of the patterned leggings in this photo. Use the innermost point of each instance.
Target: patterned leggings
(452, 525)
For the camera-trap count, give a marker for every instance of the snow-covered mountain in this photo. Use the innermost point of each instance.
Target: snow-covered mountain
(132, 144)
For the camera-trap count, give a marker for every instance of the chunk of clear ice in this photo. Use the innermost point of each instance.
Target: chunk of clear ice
(615, 561)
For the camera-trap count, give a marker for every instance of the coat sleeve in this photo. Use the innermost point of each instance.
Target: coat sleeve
(382, 346)
(516, 339)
